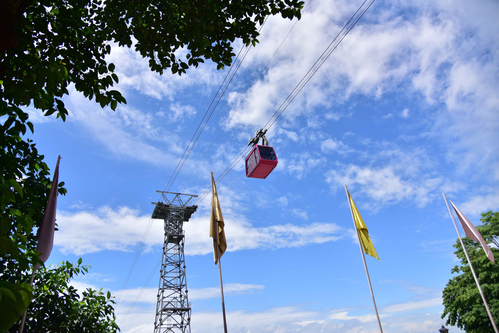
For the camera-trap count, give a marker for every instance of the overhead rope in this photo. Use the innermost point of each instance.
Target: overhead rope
(303, 82)
(315, 67)
(209, 112)
(141, 291)
(135, 258)
(243, 99)
(320, 61)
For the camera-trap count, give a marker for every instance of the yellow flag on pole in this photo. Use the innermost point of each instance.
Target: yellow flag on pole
(217, 224)
(363, 233)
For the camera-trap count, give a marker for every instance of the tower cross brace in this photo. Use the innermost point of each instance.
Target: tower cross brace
(173, 310)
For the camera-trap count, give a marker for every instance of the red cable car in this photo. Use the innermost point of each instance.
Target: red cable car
(262, 159)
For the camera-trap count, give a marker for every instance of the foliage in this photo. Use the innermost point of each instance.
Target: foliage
(25, 185)
(461, 298)
(58, 42)
(15, 300)
(57, 307)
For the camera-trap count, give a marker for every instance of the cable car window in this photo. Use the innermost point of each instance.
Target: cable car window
(267, 153)
(252, 162)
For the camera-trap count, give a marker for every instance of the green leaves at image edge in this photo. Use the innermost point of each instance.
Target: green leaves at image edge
(14, 301)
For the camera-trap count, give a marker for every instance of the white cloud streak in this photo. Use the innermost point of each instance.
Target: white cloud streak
(122, 229)
(363, 319)
(383, 185)
(481, 203)
(296, 319)
(128, 132)
(441, 53)
(333, 145)
(149, 295)
(413, 305)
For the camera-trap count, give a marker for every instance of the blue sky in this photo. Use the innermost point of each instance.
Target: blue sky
(405, 108)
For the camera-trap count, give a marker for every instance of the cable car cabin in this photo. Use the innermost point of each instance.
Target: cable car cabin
(260, 162)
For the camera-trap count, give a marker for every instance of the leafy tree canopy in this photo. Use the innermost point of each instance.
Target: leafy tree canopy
(461, 298)
(57, 306)
(57, 42)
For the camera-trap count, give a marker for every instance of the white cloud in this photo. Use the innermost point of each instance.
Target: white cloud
(283, 201)
(405, 113)
(296, 319)
(413, 305)
(391, 175)
(308, 322)
(122, 229)
(300, 165)
(149, 295)
(180, 111)
(126, 133)
(333, 116)
(230, 289)
(146, 328)
(135, 75)
(441, 53)
(103, 229)
(293, 136)
(333, 145)
(271, 320)
(81, 286)
(300, 213)
(242, 235)
(383, 185)
(37, 117)
(481, 203)
(363, 319)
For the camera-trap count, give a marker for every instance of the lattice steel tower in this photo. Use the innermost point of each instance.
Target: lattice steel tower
(173, 311)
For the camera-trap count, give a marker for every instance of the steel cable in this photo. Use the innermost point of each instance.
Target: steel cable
(301, 84)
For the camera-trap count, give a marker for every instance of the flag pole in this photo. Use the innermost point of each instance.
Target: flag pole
(471, 266)
(220, 268)
(21, 329)
(364, 260)
(221, 286)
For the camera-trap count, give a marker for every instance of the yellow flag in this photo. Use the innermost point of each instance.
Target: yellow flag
(362, 231)
(217, 224)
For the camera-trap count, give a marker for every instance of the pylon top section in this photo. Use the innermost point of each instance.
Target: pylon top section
(176, 199)
(174, 203)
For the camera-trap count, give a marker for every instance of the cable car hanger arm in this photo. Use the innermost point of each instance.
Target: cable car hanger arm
(260, 134)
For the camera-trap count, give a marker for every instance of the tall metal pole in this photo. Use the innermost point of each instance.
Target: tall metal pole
(364, 261)
(471, 266)
(221, 286)
(219, 266)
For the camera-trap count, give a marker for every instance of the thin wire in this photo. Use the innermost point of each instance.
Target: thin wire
(211, 113)
(143, 288)
(318, 63)
(186, 154)
(216, 100)
(134, 261)
(315, 67)
(306, 78)
(244, 98)
(189, 147)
